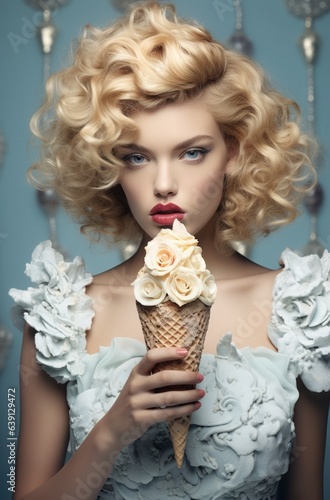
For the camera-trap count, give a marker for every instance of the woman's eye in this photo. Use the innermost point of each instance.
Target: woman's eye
(134, 159)
(195, 154)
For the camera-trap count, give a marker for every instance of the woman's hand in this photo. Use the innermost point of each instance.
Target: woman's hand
(150, 398)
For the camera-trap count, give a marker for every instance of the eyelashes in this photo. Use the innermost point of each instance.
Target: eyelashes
(192, 155)
(135, 159)
(195, 154)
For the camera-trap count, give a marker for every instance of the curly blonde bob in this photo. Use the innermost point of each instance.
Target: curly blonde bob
(147, 59)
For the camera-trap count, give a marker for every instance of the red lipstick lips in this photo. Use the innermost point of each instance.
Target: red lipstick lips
(165, 215)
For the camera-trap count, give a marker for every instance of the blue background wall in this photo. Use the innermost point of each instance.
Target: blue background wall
(274, 32)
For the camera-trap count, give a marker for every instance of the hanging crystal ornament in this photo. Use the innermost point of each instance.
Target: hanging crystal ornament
(313, 202)
(308, 8)
(309, 44)
(240, 43)
(48, 200)
(239, 40)
(47, 34)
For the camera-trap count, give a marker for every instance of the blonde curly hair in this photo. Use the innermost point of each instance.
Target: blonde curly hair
(147, 59)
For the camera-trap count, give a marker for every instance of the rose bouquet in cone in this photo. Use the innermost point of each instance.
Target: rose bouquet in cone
(174, 292)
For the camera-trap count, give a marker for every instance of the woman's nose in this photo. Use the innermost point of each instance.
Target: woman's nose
(165, 182)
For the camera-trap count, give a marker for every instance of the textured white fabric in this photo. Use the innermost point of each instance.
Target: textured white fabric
(300, 324)
(58, 309)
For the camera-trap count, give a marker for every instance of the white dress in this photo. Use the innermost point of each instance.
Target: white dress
(240, 440)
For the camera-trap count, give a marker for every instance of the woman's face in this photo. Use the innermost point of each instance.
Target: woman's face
(176, 167)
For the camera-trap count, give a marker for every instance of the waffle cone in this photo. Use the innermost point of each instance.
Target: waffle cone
(169, 325)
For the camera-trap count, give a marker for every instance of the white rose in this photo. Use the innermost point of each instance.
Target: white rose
(195, 260)
(209, 288)
(183, 286)
(178, 235)
(148, 290)
(162, 257)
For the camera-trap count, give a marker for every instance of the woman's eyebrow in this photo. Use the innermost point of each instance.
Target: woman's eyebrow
(192, 141)
(133, 147)
(182, 145)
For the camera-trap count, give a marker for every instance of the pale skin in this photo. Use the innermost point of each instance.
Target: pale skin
(168, 163)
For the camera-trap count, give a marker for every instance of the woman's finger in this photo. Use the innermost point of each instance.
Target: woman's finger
(173, 398)
(170, 378)
(170, 412)
(158, 355)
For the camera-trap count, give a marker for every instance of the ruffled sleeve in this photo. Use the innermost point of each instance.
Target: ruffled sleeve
(58, 309)
(300, 324)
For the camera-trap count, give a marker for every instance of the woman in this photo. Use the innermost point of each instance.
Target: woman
(155, 121)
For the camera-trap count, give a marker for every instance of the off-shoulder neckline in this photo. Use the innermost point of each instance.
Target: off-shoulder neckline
(253, 350)
(246, 347)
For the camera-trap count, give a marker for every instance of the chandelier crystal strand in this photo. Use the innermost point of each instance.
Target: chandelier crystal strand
(239, 40)
(306, 8)
(309, 43)
(47, 33)
(311, 96)
(48, 200)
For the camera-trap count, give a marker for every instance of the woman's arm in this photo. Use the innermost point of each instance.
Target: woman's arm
(44, 428)
(304, 480)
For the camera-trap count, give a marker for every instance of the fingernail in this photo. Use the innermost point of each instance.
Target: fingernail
(182, 351)
(199, 377)
(198, 405)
